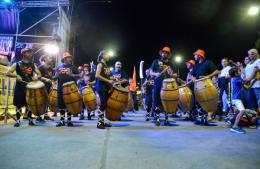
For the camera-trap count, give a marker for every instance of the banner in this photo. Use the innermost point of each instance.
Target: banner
(6, 83)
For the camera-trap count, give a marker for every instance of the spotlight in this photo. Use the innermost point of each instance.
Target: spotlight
(51, 48)
(7, 1)
(111, 53)
(254, 10)
(111, 68)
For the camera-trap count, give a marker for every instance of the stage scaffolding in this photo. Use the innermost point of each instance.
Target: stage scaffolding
(59, 9)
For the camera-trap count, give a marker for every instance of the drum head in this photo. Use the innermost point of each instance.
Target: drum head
(68, 83)
(169, 80)
(35, 85)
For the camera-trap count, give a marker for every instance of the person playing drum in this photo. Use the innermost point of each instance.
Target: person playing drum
(25, 70)
(119, 75)
(47, 73)
(148, 90)
(87, 79)
(161, 69)
(103, 85)
(203, 69)
(64, 73)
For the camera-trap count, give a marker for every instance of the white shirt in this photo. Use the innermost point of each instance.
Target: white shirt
(225, 71)
(249, 70)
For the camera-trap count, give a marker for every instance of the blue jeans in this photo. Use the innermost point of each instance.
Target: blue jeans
(257, 95)
(250, 100)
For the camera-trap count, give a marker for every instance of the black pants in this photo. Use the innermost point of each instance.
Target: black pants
(134, 97)
(148, 102)
(103, 96)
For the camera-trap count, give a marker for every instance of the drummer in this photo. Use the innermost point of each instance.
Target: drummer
(148, 90)
(25, 70)
(161, 69)
(103, 85)
(203, 69)
(47, 73)
(119, 75)
(64, 73)
(87, 79)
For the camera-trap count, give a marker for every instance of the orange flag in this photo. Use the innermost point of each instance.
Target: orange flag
(133, 84)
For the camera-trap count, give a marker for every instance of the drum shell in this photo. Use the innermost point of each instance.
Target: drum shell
(72, 98)
(186, 100)
(53, 100)
(37, 99)
(169, 96)
(206, 94)
(116, 103)
(89, 98)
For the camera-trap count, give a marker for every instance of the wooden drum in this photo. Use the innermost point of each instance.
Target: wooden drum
(116, 103)
(169, 95)
(89, 98)
(36, 97)
(186, 99)
(206, 94)
(72, 98)
(53, 100)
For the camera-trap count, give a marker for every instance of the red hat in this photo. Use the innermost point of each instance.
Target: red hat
(191, 62)
(200, 52)
(25, 50)
(166, 49)
(66, 54)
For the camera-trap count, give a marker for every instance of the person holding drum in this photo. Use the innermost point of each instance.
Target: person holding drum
(119, 75)
(87, 79)
(161, 69)
(47, 73)
(25, 70)
(103, 85)
(148, 90)
(65, 73)
(203, 69)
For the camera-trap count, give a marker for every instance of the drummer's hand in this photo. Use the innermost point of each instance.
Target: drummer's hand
(19, 78)
(115, 83)
(35, 78)
(110, 81)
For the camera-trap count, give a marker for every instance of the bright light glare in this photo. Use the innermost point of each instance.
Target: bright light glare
(51, 48)
(111, 68)
(253, 10)
(111, 53)
(178, 59)
(7, 1)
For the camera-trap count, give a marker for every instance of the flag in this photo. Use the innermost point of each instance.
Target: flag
(133, 84)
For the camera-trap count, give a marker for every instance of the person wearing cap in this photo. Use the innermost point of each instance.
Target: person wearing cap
(190, 65)
(251, 76)
(103, 85)
(148, 91)
(47, 72)
(64, 73)
(87, 79)
(204, 68)
(161, 69)
(25, 70)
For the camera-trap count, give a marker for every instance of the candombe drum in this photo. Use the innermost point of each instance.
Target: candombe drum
(206, 94)
(186, 100)
(72, 98)
(53, 99)
(36, 97)
(116, 103)
(169, 95)
(89, 98)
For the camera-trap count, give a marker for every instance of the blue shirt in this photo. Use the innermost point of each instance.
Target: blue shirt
(237, 85)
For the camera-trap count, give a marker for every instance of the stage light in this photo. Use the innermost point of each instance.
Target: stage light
(111, 68)
(253, 10)
(51, 48)
(178, 59)
(7, 1)
(111, 53)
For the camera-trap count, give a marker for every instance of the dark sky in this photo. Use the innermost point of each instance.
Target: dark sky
(136, 30)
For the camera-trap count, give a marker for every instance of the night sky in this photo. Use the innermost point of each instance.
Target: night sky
(136, 30)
